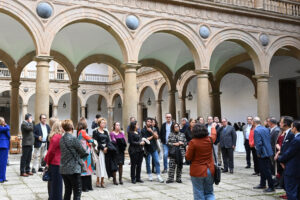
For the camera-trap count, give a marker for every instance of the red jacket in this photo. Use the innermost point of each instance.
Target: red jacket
(201, 154)
(251, 138)
(53, 154)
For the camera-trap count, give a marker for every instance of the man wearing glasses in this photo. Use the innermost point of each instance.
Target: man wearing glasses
(164, 135)
(41, 132)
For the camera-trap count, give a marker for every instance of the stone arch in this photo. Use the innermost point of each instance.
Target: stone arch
(9, 62)
(113, 97)
(100, 58)
(94, 92)
(59, 95)
(142, 90)
(285, 41)
(162, 68)
(27, 18)
(243, 38)
(31, 93)
(179, 29)
(160, 91)
(188, 76)
(58, 57)
(96, 16)
(182, 70)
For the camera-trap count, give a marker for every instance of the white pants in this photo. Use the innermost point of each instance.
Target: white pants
(100, 166)
(38, 154)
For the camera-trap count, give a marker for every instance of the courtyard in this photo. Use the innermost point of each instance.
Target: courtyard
(233, 186)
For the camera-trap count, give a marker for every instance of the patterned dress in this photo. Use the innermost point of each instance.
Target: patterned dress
(85, 140)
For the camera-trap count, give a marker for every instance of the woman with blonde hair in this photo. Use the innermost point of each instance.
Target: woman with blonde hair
(102, 138)
(53, 161)
(4, 147)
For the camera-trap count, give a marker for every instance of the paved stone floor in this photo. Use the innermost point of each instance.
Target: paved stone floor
(233, 186)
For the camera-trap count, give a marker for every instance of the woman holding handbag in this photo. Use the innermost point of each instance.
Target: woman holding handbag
(86, 142)
(70, 163)
(200, 152)
(176, 143)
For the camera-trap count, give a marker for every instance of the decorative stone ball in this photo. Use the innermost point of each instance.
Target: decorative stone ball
(132, 22)
(44, 10)
(204, 32)
(264, 39)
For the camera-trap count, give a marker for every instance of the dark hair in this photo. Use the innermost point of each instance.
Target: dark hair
(173, 128)
(148, 118)
(156, 124)
(296, 124)
(98, 116)
(82, 125)
(114, 125)
(27, 116)
(199, 131)
(132, 126)
(42, 115)
(287, 120)
(273, 120)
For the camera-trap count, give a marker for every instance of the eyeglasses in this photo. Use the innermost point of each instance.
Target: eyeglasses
(176, 126)
(44, 118)
(168, 117)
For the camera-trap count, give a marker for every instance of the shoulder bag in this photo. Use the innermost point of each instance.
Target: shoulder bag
(217, 175)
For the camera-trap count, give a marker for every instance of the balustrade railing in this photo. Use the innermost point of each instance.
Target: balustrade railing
(4, 72)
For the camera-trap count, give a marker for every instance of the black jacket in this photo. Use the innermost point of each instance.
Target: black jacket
(227, 137)
(134, 141)
(162, 134)
(37, 132)
(150, 148)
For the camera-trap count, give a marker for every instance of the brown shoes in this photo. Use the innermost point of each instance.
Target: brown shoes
(29, 173)
(24, 174)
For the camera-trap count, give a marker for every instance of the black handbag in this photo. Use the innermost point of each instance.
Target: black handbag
(46, 175)
(217, 176)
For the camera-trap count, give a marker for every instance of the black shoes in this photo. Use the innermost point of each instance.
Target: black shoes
(33, 171)
(247, 167)
(231, 171)
(224, 170)
(133, 181)
(179, 181)
(259, 187)
(269, 190)
(255, 174)
(169, 181)
(164, 171)
(139, 181)
(41, 170)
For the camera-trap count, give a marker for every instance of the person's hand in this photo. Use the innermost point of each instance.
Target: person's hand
(149, 129)
(142, 143)
(105, 150)
(180, 143)
(278, 147)
(233, 147)
(186, 148)
(40, 138)
(155, 135)
(277, 155)
(176, 144)
(282, 165)
(91, 143)
(30, 120)
(213, 125)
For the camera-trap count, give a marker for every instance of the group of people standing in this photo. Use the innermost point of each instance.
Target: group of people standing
(275, 147)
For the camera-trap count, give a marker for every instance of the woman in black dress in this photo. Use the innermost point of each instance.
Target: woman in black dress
(136, 152)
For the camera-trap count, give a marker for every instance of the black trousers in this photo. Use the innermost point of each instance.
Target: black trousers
(265, 172)
(227, 155)
(72, 182)
(86, 182)
(25, 159)
(136, 160)
(248, 152)
(56, 183)
(255, 160)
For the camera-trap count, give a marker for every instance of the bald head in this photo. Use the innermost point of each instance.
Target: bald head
(256, 121)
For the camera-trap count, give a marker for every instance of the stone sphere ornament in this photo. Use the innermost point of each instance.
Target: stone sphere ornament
(204, 32)
(44, 10)
(264, 39)
(132, 22)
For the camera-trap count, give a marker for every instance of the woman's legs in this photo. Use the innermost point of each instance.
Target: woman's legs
(55, 183)
(171, 171)
(3, 158)
(198, 188)
(115, 178)
(120, 174)
(139, 162)
(209, 186)
(68, 187)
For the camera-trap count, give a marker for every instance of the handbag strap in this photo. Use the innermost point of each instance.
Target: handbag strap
(214, 153)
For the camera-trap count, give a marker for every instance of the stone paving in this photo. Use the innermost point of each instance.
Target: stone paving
(233, 186)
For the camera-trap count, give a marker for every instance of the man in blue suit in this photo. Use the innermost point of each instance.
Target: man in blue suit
(262, 141)
(291, 162)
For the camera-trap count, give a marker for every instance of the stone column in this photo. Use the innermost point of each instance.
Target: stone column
(203, 104)
(182, 107)
(42, 87)
(82, 111)
(110, 119)
(74, 103)
(172, 104)
(216, 104)
(140, 114)
(14, 108)
(24, 110)
(54, 110)
(262, 96)
(130, 93)
(159, 113)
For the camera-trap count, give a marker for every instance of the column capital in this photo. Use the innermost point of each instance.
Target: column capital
(54, 106)
(82, 107)
(43, 58)
(261, 77)
(140, 103)
(216, 93)
(25, 105)
(15, 84)
(158, 101)
(202, 73)
(110, 107)
(74, 87)
(131, 67)
(172, 91)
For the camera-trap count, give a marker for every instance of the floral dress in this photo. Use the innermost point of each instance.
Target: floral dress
(85, 140)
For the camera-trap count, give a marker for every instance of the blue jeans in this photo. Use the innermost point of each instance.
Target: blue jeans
(203, 187)
(156, 162)
(166, 152)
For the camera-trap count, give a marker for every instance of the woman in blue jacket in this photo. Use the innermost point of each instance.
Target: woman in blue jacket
(4, 147)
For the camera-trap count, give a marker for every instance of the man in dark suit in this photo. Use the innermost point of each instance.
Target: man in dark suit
(228, 143)
(246, 132)
(264, 151)
(274, 132)
(291, 162)
(41, 132)
(164, 135)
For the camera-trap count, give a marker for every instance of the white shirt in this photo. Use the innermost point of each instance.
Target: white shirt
(168, 130)
(248, 129)
(209, 129)
(286, 133)
(45, 132)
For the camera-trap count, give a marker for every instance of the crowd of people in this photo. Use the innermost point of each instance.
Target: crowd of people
(71, 160)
